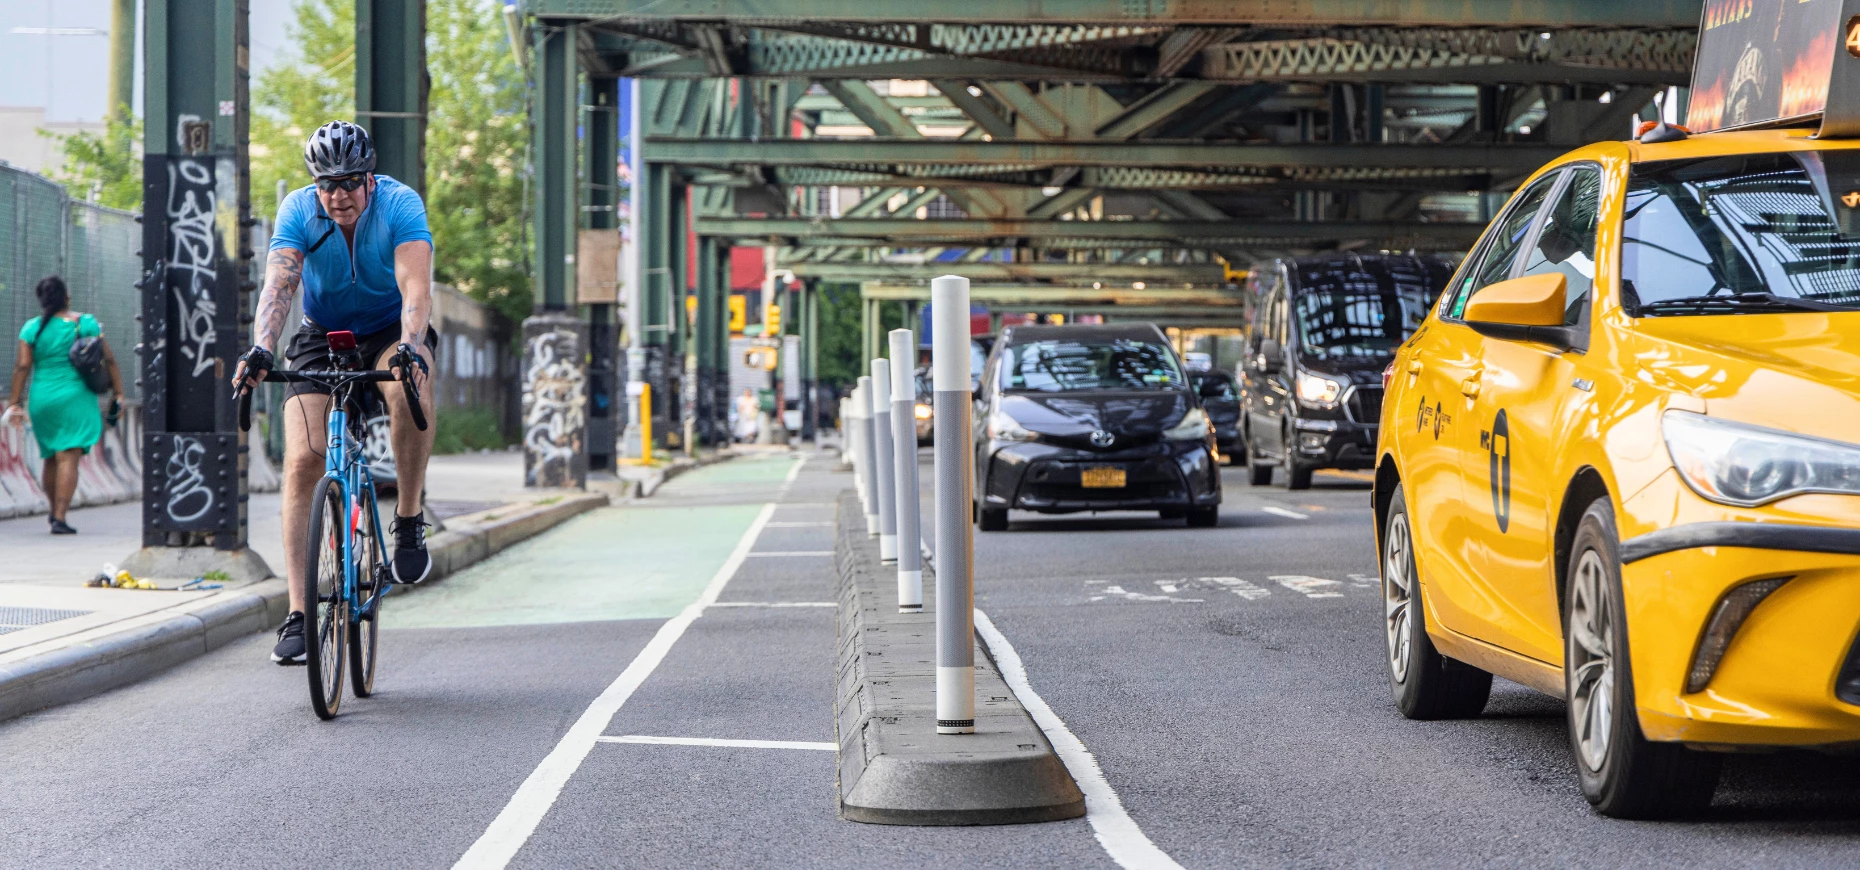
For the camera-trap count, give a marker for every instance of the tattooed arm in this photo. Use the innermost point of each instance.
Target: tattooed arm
(413, 271)
(283, 272)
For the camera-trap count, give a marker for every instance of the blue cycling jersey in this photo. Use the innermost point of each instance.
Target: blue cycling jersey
(346, 288)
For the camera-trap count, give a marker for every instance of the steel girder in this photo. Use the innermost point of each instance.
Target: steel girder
(391, 85)
(1481, 55)
(1308, 13)
(1172, 273)
(1022, 294)
(1063, 233)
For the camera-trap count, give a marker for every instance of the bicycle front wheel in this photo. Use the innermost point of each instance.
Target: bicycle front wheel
(326, 627)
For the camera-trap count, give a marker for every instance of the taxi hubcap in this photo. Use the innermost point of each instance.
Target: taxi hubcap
(1591, 661)
(1397, 594)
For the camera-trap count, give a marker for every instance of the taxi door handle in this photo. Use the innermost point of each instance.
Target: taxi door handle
(1414, 366)
(1470, 387)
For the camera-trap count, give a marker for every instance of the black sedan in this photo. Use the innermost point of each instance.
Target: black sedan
(1091, 418)
(1221, 400)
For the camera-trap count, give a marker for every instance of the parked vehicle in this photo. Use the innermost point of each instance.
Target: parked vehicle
(1320, 331)
(1221, 400)
(926, 403)
(1091, 418)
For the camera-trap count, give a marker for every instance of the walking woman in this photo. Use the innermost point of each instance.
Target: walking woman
(67, 416)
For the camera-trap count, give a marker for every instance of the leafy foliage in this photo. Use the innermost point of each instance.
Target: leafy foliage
(103, 168)
(298, 95)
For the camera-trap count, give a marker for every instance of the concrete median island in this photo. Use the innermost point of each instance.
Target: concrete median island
(894, 769)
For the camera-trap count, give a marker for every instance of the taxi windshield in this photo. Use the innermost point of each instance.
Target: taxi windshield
(1743, 233)
(1357, 324)
(1057, 365)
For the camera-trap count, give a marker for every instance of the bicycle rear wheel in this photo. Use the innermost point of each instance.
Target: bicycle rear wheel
(327, 624)
(371, 586)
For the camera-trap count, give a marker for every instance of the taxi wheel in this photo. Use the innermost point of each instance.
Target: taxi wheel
(1427, 685)
(992, 519)
(1623, 773)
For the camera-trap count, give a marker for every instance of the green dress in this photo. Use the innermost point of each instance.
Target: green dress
(63, 410)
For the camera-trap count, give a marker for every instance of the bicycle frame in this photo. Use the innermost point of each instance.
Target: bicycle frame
(345, 469)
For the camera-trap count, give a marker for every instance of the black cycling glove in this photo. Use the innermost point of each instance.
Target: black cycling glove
(258, 362)
(407, 356)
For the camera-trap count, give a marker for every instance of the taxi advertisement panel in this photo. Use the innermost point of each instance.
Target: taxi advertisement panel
(1762, 61)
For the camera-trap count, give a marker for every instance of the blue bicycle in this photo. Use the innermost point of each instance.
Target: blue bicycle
(346, 570)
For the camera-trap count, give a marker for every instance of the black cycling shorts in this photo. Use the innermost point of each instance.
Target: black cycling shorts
(309, 349)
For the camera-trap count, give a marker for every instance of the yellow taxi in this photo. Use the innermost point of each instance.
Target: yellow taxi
(1620, 462)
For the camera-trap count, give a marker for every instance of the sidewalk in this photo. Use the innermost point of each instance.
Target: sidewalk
(60, 640)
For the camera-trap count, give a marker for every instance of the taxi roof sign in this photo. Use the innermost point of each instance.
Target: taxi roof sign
(1768, 63)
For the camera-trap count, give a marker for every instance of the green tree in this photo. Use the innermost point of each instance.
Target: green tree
(103, 168)
(476, 133)
(309, 88)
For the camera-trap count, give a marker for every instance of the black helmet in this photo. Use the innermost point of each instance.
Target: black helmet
(339, 148)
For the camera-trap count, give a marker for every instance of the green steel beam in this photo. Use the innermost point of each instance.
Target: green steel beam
(1192, 273)
(391, 85)
(1193, 232)
(1412, 13)
(1021, 294)
(1025, 154)
(557, 194)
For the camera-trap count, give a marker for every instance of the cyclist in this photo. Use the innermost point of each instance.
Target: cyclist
(358, 242)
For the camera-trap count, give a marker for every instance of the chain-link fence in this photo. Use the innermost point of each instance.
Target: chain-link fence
(45, 232)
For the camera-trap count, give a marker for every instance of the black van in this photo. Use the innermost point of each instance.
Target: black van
(1320, 331)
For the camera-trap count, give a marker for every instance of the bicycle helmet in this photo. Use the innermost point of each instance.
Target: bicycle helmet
(339, 148)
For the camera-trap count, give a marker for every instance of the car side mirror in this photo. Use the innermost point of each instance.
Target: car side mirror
(1523, 309)
(1271, 357)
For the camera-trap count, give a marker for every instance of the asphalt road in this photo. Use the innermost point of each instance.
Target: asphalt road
(1229, 682)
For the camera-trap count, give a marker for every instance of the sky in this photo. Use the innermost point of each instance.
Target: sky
(68, 75)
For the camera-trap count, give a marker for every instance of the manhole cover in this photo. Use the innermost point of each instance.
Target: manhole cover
(17, 618)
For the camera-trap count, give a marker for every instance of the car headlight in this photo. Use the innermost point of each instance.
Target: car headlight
(1318, 391)
(921, 411)
(1742, 465)
(1194, 426)
(1002, 427)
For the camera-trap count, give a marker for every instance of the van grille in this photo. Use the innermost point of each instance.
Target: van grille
(1365, 405)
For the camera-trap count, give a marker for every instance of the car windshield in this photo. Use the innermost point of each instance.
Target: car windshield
(1057, 365)
(1743, 228)
(1356, 324)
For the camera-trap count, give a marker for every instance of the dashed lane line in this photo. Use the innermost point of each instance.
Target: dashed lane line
(1116, 831)
(1310, 587)
(1283, 512)
(714, 741)
(519, 818)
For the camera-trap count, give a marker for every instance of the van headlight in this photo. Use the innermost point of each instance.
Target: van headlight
(1746, 466)
(1318, 392)
(1194, 426)
(1002, 427)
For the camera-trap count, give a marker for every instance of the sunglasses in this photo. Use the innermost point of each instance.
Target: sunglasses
(345, 182)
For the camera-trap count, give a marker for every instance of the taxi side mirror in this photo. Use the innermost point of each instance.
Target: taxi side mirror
(1523, 309)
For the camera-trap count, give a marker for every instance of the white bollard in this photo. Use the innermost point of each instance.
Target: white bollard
(882, 471)
(855, 435)
(955, 494)
(868, 456)
(904, 460)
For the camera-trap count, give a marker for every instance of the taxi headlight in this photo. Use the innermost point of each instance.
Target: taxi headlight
(1743, 465)
(1318, 391)
(921, 411)
(1002, 427)
(1194, 426)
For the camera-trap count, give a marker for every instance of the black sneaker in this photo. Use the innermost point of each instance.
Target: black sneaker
(411, 563)
(60, 528)
(290, 648)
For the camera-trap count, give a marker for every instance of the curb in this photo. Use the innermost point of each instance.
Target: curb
(649, 482)
(119, 655)
(893, 767)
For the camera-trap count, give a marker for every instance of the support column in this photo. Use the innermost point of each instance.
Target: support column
(122, 59)
(391, 85)
(635, 272)
(682, 393)
(809, 324)
(603, 155)
(708, 301)
(655, 257)
(554, 341)
(720, 362)
(196, 291)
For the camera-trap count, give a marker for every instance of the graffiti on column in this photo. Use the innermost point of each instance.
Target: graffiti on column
(552, 405)
(193, 254)
(189, 497)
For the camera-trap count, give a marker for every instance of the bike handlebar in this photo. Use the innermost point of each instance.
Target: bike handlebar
(320, 376)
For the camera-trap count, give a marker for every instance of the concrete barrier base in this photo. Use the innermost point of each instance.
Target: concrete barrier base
(185, 563)
(894, 769)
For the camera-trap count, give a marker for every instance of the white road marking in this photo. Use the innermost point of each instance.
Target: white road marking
(1311, 587)
(1117, 832)
(792, 553)
(775, 604)
(519, 818)
(1282, 512)
(1244, 588)
(1364, 580)
(713, 741)
(1139, 596)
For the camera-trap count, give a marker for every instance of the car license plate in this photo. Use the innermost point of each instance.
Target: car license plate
(1102, 478)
